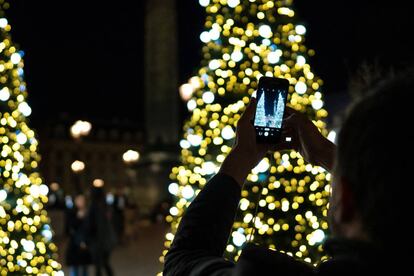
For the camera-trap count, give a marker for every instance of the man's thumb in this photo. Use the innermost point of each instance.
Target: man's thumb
(250, 109)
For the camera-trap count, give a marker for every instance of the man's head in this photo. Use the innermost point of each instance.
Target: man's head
(372, 187)
(80, 201)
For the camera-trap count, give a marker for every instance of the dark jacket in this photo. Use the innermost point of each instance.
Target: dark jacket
(76, 231)
(202, 236)
(100, 231)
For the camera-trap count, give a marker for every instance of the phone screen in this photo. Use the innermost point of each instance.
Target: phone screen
(271, 101)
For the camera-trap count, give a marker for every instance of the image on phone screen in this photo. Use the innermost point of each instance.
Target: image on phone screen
(269, 111)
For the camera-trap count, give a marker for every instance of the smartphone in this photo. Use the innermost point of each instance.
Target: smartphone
(271, 97)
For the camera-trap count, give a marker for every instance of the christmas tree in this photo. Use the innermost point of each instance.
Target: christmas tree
(25, 234)
(284, 200)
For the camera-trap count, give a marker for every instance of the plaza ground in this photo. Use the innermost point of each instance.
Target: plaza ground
(139, 257)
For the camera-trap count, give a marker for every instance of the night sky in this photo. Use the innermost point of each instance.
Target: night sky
(85, 59)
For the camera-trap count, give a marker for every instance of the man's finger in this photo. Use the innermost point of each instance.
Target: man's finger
(290, 111)
(250, 109)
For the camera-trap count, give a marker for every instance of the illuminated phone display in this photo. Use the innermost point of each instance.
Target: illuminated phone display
(271, 101)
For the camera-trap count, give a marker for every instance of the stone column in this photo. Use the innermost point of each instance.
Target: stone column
(161, 72)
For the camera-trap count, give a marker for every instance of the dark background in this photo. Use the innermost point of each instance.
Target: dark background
(85, 59)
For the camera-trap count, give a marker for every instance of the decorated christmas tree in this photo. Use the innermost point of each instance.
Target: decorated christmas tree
(284, 200)
(25, 234)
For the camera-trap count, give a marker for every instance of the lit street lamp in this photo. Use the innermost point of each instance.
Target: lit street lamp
(77, 166)
(80, 128)
(130, 156)
(98, 183)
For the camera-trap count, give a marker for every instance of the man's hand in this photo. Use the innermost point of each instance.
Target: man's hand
(246, 153)
(306, 139)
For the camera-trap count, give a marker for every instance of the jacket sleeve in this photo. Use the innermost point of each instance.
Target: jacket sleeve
(202, 235)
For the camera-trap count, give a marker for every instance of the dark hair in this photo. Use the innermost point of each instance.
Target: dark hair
(373, 155)
(97, 195)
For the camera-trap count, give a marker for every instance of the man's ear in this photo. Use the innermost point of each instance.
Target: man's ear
(346, 200)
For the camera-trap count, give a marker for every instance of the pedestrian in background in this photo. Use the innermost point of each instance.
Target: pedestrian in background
(78, 256)
(101, 233)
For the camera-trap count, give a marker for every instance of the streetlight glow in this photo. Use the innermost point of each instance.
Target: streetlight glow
(98, 183)
(77, 166)
(80, 128)
(130, 156)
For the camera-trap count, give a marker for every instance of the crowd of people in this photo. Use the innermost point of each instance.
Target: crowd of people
(95, 223)
(92, 235)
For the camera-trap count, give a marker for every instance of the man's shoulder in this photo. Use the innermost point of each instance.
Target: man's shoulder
(258, 260)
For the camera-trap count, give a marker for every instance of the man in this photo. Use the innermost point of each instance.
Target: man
(371, 198)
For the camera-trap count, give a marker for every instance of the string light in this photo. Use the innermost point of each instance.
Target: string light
(15, 58)
(300, 29)
(233, 3)
(204, 3)
(25, 234)
(25, 109)
(265, 31)
(173, 188)
(4, 94)
(250, 39)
